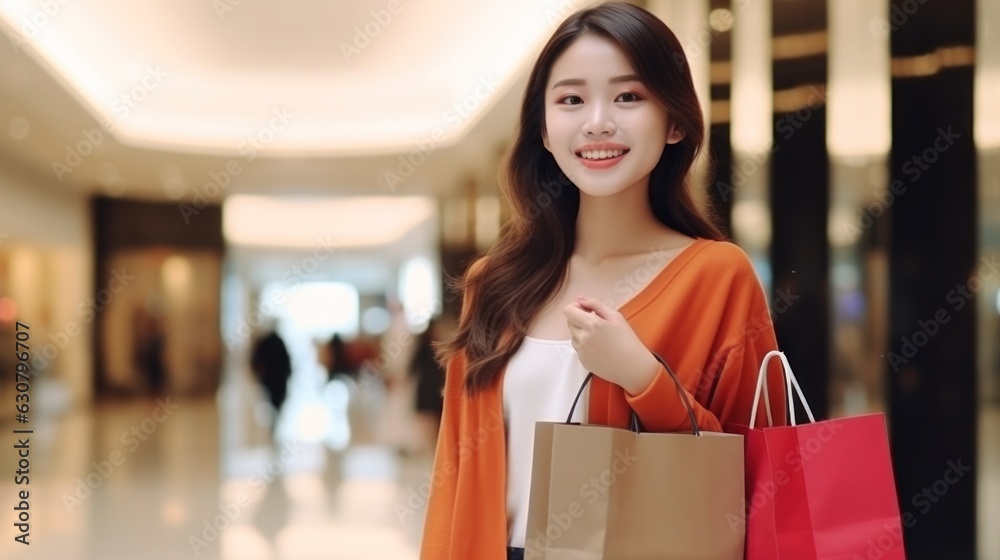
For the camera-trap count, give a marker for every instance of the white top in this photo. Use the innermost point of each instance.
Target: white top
(539, 384)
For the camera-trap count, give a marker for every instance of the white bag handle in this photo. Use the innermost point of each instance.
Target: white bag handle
(789, 382)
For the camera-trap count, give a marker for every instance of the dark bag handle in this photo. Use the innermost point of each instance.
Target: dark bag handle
(635, 424)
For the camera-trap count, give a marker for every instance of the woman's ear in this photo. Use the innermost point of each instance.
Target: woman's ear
(675, 135)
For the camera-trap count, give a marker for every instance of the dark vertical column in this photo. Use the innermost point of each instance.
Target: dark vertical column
(457, 245)
(799, 193)
(721, 191)
(930, 365)
(454, 262)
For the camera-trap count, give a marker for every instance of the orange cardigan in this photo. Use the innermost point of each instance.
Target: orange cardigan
(705, 313)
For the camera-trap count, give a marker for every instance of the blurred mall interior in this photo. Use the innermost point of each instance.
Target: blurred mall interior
(208, 209)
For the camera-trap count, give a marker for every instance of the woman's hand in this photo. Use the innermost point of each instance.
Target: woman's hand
(607, 345)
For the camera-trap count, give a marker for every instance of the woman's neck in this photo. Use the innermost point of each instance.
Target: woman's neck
(616, 225)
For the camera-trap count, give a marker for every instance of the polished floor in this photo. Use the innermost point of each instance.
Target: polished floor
(151, 480)
(169, 479)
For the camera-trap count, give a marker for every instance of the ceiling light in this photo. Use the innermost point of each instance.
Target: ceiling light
(323, 224)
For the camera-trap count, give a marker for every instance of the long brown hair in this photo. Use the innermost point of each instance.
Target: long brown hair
(520, 274)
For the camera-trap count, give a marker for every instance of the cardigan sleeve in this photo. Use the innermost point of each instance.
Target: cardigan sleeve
(439, 523)
(439, 520)
(729, 379)
(732, 401)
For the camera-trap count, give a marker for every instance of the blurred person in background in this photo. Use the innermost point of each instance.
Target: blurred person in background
(336, 358)
(349, 363)
(429, 376)
(272, 366)
(148, 350)
(391, 367)
(345, 357)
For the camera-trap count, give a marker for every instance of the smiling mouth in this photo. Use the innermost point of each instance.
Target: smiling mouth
(597, 155)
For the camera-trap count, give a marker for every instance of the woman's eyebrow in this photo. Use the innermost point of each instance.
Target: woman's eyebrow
(581, 82)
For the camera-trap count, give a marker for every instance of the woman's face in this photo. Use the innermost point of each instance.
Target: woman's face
(604, 128)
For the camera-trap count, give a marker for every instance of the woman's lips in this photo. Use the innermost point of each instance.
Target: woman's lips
(602, 163)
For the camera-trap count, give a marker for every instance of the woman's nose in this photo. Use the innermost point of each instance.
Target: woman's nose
(600, 121)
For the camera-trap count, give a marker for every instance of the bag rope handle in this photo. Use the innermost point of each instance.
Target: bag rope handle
(790, 382)
(635, 424)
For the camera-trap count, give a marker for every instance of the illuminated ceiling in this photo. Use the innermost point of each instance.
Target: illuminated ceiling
(296, 77)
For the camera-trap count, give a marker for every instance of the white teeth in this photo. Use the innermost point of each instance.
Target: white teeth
(601, 154)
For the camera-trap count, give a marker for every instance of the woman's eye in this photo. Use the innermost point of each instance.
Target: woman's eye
(571, 100)
(629, 96)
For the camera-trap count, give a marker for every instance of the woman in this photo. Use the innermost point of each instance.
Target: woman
(606, 258)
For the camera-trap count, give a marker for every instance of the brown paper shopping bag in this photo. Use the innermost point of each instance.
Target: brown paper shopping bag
(599, 492)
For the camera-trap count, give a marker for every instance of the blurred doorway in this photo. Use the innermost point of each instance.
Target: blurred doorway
(156, 299)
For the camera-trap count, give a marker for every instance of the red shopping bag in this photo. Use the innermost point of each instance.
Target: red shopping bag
(820, 491)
